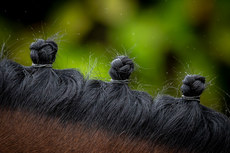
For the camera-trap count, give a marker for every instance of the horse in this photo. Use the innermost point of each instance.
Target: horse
(50, 110)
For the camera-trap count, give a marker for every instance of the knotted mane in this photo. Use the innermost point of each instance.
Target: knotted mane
(178, 124)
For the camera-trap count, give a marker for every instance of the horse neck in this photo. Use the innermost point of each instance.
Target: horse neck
(27, 132)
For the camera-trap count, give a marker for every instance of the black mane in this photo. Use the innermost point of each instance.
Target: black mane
(177, 123)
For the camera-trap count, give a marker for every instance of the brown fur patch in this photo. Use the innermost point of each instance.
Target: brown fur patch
(22, 132)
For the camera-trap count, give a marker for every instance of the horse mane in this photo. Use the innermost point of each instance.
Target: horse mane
(175, 123)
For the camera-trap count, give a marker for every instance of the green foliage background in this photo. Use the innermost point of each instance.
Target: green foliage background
(167, 39)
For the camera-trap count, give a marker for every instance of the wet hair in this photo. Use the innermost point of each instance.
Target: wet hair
(175, 124)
